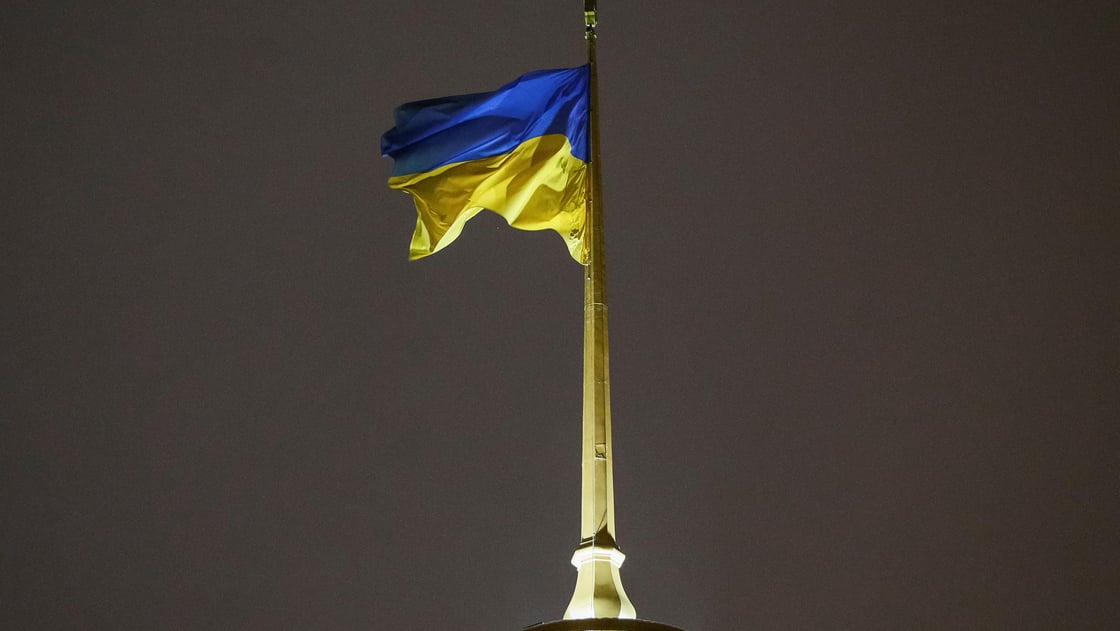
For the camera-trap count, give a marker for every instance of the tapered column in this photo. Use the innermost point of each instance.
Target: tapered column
(598, 592)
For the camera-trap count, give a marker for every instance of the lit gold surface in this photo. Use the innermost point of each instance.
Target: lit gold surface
(598, 591)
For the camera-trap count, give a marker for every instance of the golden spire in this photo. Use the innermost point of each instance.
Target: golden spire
(598, 591)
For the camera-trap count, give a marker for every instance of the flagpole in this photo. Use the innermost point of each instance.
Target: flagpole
(598, 591)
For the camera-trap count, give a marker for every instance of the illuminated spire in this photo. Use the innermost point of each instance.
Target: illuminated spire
(598, 591)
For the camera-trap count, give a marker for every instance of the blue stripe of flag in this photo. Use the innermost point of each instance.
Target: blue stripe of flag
(437, 132)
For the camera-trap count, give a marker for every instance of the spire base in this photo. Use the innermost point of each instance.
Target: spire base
(599, 592)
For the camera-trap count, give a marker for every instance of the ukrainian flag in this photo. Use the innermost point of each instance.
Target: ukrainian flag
(521, 151)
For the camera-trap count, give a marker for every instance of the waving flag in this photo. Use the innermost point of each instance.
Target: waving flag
(521, 151)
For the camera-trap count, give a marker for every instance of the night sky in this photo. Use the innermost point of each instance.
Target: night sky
(864, 277)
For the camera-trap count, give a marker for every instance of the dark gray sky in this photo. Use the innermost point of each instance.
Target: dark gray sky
(864, 285)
